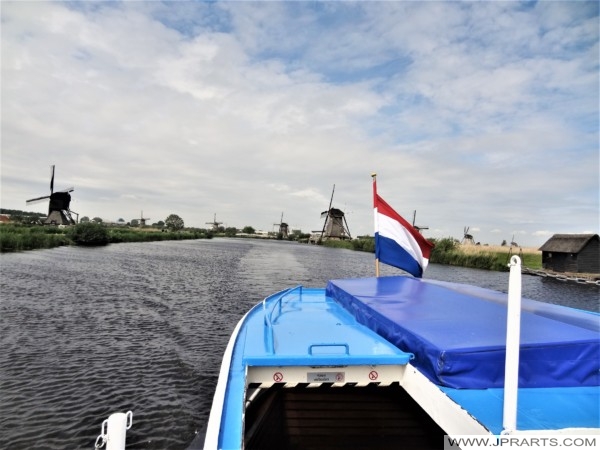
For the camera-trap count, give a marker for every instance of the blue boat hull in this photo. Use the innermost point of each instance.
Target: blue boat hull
(439, 343)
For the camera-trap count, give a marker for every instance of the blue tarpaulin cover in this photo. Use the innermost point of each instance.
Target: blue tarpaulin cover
(458, 336)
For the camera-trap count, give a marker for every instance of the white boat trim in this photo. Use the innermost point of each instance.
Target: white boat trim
(448, 414)
(211, 441)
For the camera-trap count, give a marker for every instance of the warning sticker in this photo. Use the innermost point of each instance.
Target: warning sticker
(325, 377)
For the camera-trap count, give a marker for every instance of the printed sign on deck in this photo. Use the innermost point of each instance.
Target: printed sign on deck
(325, 377)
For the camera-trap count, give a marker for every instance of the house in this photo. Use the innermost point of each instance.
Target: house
(577, 253)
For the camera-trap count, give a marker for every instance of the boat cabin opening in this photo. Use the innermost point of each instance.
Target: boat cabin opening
(332, 417)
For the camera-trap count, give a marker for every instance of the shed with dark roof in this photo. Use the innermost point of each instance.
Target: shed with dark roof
(577, 253)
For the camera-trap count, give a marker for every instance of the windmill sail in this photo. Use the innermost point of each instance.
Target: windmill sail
(39, 199)
(52, 181)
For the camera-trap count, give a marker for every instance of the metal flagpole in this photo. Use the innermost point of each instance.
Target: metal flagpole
(374, 176)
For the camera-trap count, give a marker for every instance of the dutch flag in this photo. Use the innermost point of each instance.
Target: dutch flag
(397, 242)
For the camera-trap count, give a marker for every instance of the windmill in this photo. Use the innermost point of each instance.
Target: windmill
(335, 225)
(283, 229)
(143, 219)
(214, 223)
(467, 238)
(513, 244)
(58, 207)
(417, 227)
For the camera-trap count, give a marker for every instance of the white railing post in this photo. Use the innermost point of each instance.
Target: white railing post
(513, 338)
(113, 431)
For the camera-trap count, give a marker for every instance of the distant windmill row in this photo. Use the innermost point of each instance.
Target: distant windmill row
(335, 225)
(468, 239)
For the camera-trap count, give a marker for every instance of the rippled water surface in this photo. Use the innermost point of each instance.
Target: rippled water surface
(91, 331)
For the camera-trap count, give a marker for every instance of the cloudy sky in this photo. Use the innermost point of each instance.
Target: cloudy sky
(478, 114)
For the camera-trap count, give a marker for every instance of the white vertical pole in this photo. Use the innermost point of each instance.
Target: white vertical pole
(374, 176)
(118, 424)
(513, 335)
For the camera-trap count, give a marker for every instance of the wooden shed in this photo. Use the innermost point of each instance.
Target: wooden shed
(576, 253)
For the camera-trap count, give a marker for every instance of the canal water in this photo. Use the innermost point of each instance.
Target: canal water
(86, 332)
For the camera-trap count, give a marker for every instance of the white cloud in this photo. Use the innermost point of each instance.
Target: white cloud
(471, 113)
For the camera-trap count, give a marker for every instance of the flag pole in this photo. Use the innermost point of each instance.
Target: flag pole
(374, 176)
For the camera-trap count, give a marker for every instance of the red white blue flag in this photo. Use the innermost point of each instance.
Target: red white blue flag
(397, 242)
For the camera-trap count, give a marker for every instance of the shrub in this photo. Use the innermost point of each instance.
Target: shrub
(10, 242)
(444, 245)
(89, 234)
(337, 244)
(364, 244)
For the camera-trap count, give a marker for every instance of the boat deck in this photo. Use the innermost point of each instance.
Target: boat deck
(334, 344)
(281, 335)
(278, 345)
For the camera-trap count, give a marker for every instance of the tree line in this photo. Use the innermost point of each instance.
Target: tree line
(172, 222)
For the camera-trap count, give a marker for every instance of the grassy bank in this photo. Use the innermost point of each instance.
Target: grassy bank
(117, 235)
(361, 244)
(449, 251)
(530, 256)
(15, 238)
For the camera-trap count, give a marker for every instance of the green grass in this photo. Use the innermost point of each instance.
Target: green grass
(531, 260)
(364, 244)
(16, 238)
(338, 244)
(485, 261)
(449, 251)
